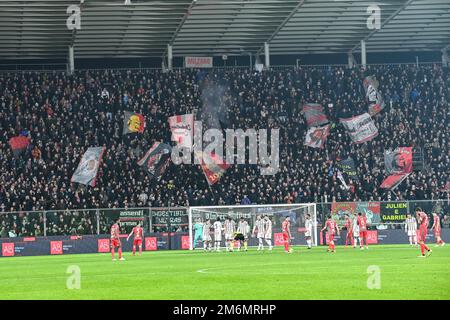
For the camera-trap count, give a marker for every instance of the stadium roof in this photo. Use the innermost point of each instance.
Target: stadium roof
(109, 28)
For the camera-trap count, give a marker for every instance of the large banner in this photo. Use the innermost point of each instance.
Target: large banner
(348, 167)
(360, 128)
(314, 115)
(376, 103)
(162, 217)
(340, 209)
(393, 181)
(394, 211)
(398, 161)
(317, 136)
(371, 209)
(212, 167)
(156, 160)
(87, 169)
(133, 122)
(19, 144)
(182, 128)
(198, 62)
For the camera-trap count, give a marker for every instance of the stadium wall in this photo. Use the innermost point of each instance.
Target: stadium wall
(59, 245)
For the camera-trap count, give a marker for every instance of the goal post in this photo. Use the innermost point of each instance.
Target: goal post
(275, 212)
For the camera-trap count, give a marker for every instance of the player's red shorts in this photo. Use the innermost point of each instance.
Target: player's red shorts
(363, 234)
(285, 237)
(423, 233)
(350, 233)
(330, 237)
(137, 242)
(115, 243)
(437, 233)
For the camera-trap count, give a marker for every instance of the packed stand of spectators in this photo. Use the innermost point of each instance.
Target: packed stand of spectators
(65, 114)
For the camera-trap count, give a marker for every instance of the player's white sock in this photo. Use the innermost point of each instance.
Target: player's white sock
(269, 243)
(415, 240)
(410, 240)
(261, 245)
(309, 243)
(204, 245)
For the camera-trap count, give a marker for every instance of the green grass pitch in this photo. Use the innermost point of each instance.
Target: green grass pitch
(304, 274)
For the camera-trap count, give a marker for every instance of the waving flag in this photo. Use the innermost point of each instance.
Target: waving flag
(213, 167)
(19, 144)
(314, 115)
(393, 181)
(317, 136)
(398, 161)
(398, 164)
(182, 128)
(360, 128)
(156, 160)
(348, 167)
(376, 103)
(87, 169)
(133, 122)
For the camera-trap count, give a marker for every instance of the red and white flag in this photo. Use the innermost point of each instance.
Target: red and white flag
(182, 128)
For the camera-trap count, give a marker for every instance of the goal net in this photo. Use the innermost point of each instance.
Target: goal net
(276, 214)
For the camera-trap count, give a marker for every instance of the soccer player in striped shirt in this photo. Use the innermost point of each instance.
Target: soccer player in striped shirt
(258, 232)
(411, 229)
(206, 235)
(422, 219)
(229, 229)
(437, 230)
(138, 235)
(217, 234)
(308, 230)
(268, 231)
(332, 229)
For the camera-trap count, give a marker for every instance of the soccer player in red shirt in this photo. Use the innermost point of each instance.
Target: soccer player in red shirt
(332, 229)
(437, 230)
(115, 240)
(285, 229)
(362, 223)
(422, 219)
(349, 227)
(138, 235)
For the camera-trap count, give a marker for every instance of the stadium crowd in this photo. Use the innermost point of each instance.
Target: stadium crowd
(64, 114)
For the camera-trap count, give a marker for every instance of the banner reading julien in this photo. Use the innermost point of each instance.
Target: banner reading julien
(87, 169)
(133, 122)
(394, 211)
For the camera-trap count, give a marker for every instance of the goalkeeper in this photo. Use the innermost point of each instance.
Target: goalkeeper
(198, 232)
(241, 235)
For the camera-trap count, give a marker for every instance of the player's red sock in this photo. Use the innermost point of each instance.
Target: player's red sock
(286, 246)
(134, 250)
(422, 249)
(112, 252)
(120, 252)
(426, 247)
(140, 250)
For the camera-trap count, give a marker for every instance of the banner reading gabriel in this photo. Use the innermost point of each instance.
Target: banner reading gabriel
(133, 122)
(87, 169)
(394, 211)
